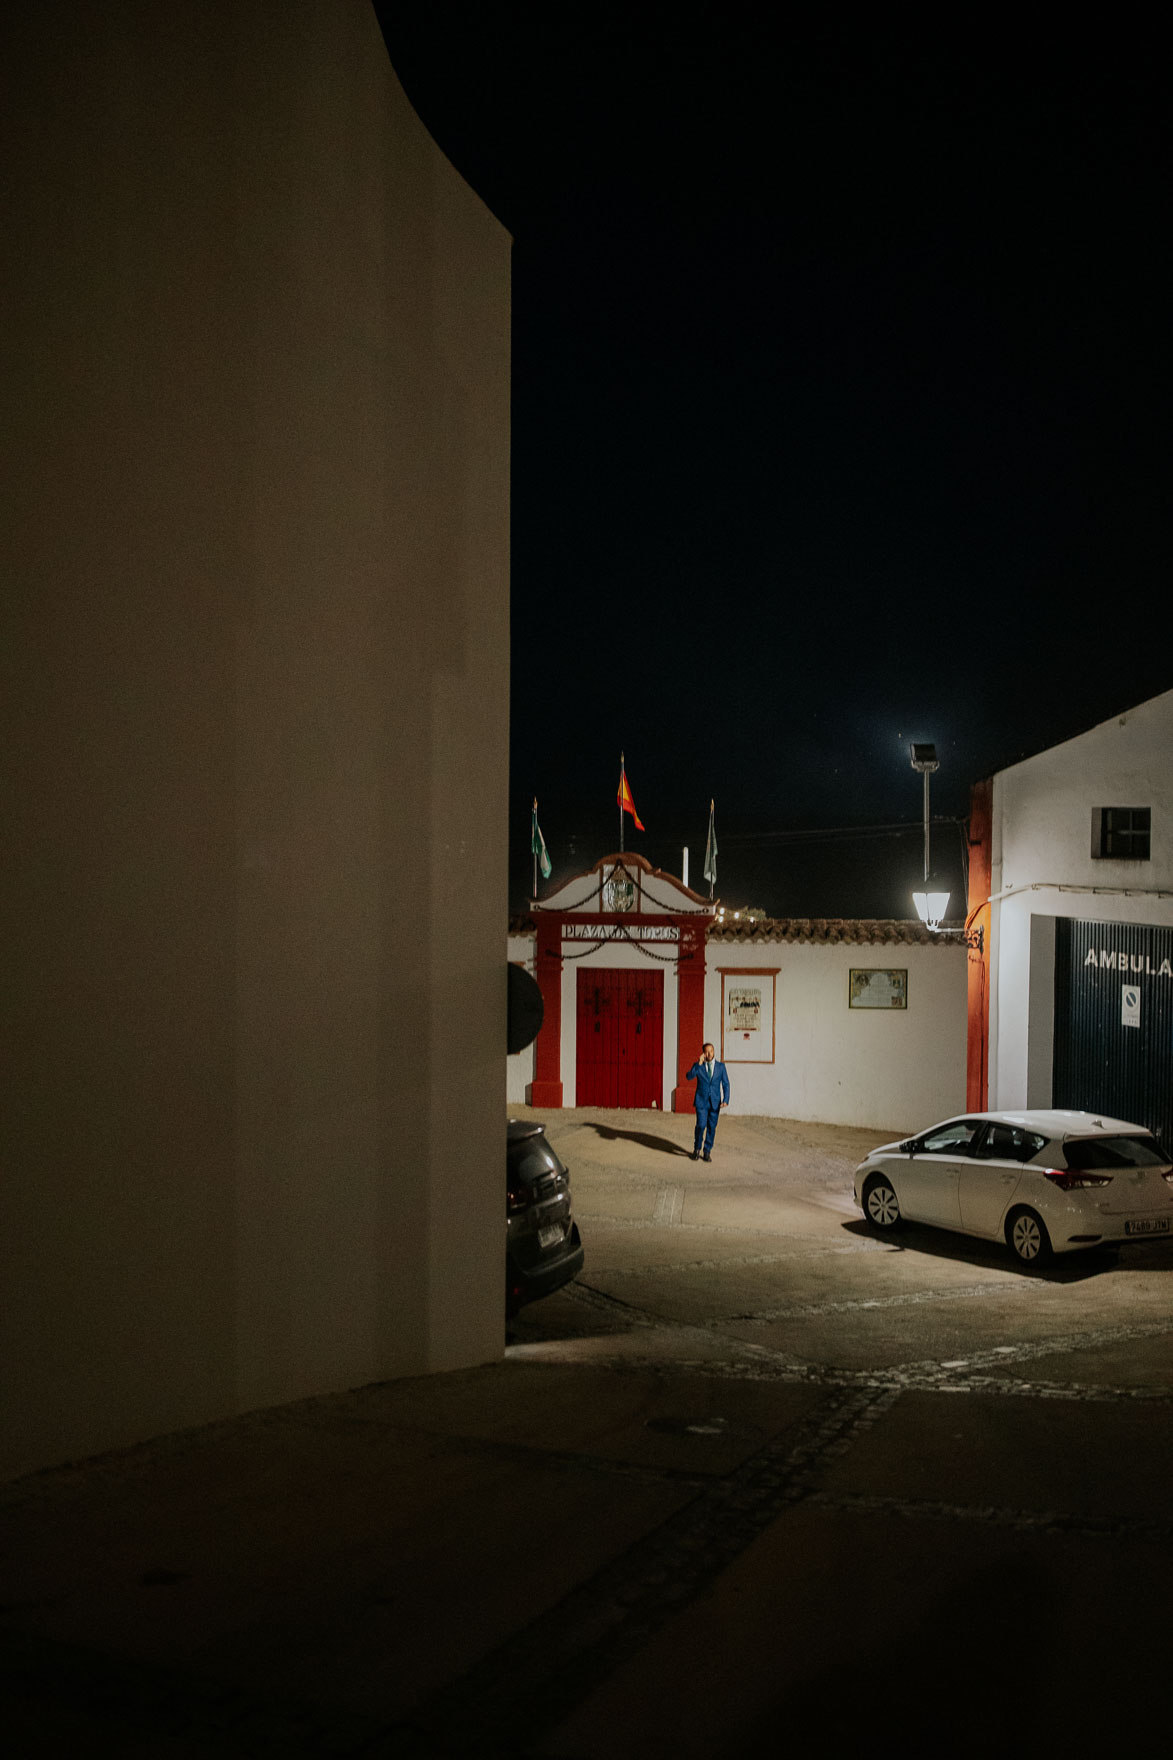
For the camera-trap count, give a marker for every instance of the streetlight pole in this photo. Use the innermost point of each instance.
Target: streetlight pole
(927, 772)
(931, 904)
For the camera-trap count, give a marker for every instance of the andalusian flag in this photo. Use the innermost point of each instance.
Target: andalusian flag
(626, 804)
(711, 852)
(537, 844)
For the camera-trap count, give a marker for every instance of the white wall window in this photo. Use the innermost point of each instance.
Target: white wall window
(1122, 834)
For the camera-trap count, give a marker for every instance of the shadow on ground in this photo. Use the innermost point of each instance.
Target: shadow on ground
(644, 1138)
(963, 1249)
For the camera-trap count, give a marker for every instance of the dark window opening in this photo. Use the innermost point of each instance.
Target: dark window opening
(1005, 1142)
(1122, 834)
(1083, 1153)
(951, 1139)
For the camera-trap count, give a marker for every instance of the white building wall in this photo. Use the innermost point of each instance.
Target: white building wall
(1042, 868)
(895, 1069)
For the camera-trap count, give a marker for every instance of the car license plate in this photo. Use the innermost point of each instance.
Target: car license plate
(548, 1236)
(1157, 1225)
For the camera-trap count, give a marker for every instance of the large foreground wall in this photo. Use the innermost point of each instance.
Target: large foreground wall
(254, 676)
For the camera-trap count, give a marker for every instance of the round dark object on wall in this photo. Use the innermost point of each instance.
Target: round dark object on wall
(526, 1009)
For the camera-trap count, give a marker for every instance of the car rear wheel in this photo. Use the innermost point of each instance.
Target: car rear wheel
(880, 1204)
(1027, 1237)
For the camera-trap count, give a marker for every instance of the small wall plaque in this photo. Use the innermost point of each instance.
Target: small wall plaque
(878, 987)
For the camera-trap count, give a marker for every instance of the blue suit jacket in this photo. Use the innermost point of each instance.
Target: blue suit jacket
(710, 1090)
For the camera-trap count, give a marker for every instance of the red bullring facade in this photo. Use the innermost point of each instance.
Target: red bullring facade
(853, 1022)
(650, 928)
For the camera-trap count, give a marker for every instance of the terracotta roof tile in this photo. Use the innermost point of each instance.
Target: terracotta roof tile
(826, 931)
(830, 931)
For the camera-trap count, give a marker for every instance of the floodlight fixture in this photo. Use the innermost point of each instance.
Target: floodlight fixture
(933, 902)
(931, 907)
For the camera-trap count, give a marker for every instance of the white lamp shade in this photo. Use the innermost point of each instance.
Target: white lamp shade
(931, 906)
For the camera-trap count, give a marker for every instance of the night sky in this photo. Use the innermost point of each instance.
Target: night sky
(841, 416)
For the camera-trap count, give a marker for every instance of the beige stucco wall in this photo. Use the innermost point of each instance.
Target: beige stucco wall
(255, 689)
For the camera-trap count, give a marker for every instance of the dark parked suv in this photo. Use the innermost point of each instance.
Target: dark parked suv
(543, 1249)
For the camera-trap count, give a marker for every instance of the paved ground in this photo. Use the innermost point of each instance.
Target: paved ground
(756, 1481)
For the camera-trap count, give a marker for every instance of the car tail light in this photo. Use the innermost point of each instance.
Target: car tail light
(1070, 1179)
(517, 1198)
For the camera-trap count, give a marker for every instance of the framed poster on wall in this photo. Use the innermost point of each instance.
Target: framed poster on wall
(748, 1002)
(878, 987)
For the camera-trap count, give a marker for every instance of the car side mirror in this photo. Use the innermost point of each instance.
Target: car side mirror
(909, 1146)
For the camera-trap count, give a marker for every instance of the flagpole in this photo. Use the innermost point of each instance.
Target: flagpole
(533, 840)
(621, 775)
(712, 882)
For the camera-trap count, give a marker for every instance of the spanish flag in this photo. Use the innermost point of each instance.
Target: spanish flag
(625, 802)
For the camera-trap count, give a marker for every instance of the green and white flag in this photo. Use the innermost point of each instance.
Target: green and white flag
(538, 845)
(711, 852)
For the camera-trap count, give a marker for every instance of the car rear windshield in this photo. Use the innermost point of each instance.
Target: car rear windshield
(1086, 1153)
(533, 1159)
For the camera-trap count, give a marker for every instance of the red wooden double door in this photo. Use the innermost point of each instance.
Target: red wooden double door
(620, 1038)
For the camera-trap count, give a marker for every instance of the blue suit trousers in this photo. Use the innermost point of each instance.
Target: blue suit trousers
(706, 1127)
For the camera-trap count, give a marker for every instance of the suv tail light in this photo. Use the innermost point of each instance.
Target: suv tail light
(1069, 1179)
(521, 1194)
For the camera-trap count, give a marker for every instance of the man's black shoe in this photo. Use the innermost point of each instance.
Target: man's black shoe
(706, 1157)
(694, 1156)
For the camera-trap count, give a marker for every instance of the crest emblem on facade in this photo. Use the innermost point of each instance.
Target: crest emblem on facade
(618, 891)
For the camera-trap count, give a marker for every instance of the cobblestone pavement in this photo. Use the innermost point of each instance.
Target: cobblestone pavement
(755, 1478)
(1094, 1331)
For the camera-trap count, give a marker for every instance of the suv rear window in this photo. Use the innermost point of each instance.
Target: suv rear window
(1085, 1153)
(533, 1159)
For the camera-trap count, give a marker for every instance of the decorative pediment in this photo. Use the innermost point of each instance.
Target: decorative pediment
(624, 884)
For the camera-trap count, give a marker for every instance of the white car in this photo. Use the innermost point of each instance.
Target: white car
(1044, 1182)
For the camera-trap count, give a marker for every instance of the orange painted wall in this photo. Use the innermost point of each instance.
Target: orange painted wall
(977, 1074)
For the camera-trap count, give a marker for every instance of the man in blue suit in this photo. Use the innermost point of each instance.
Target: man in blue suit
(712, 1092)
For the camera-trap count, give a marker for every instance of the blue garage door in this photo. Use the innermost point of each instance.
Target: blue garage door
(1114, 1021)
